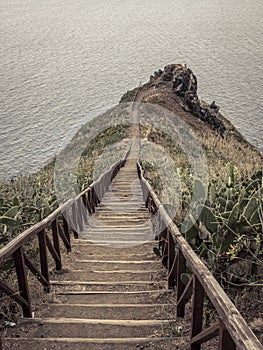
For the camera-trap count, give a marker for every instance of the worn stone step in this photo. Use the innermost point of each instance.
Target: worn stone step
(106, 212)
(114, 234)
(134, 213)
(106, 253)
(127, 208)
(128, 204)
(110, 276)
(84, 246)
(118, 221)
(149, 343)
(114, 195)
(120, 228)
(121, 244)
(135, 191)
(103, 297)
(122, 197)
(87, 328)
(138, 213)
(136, 285)
(108, 265)
(105, 311)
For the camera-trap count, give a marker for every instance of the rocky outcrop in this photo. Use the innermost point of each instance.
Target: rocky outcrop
(183, 83)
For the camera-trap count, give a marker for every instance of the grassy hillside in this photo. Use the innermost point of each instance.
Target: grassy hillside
(28, 199)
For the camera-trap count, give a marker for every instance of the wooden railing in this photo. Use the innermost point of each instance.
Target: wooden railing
(50, 233)
(177, 254)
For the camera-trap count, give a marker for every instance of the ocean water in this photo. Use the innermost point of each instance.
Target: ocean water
(64, 62)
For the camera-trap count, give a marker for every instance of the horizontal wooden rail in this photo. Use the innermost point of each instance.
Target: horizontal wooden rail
(232, 329)
(51, 232)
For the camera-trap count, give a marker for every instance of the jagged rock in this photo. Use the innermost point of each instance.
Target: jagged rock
(214, 106)
(183, 83)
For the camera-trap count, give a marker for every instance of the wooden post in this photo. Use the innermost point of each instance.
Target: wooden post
(66, 229)
(164, 248)
(181, 268)
(84, 208)
(197, 311)
(147, 199)
(42, 240)
(54, 226)
(89, 202)
(225, 340)
(93, 199)
(79, 214)
(171, 257)
(22, 280)
(75, 227)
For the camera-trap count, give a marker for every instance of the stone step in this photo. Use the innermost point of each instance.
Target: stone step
(141, 211)
(150, 343)
(61, 327)
(105, 253)
(106, 212)
(121, 244)
(89, 248)
(126, 203)
(127, 192)
(113, 236)
(105, 311)
(103, 297)
(108, 265)
(118, 221)
(110, 276)
(123, 208)
(118, 228)
(120, 286)
(118, 242)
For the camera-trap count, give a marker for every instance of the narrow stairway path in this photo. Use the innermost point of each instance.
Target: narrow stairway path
(121, 219)
(109, 297)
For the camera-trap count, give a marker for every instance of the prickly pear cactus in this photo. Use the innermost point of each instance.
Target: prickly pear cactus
(230, 224)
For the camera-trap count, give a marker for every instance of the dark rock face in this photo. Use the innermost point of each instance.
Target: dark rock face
(184, 84)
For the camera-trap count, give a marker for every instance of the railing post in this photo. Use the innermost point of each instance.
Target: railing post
(66, 228)
(163, 244)
(147, 200)
(93, 199)
(181, 268)
(225, 340)
(171, 257)
(75, 227)
(54, 227)
(89, 202)
(79, 213)
(84, 208)
(43, 256)
(197, 311)
(22, 280)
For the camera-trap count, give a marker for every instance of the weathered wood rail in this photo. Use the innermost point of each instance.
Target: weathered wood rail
(72, 214)
(233, 331)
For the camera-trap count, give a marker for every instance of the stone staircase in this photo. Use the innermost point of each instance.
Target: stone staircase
(110, 295)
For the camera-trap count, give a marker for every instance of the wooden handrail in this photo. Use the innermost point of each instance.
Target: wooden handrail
(58, 222)
(234, 332)
(25, 236)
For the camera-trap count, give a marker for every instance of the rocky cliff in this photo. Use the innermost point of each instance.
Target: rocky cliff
(183, 84)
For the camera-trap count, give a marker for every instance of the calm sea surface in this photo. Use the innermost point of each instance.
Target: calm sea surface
(64, 62)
